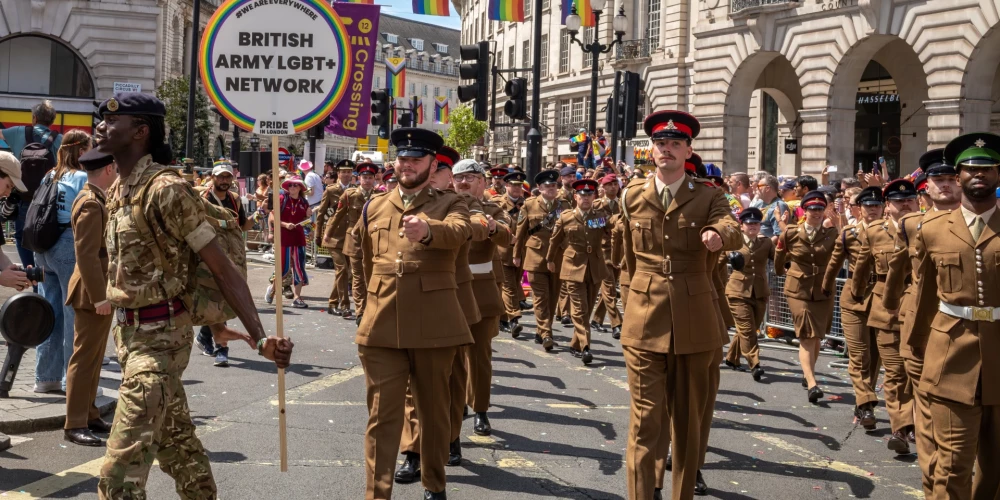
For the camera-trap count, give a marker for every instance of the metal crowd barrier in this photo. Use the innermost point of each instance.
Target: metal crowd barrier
(778, 315)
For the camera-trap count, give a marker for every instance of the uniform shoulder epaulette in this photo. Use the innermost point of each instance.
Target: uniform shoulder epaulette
(378, 194)
(911, 215)
(707, 182)
(638, 181)
(929, 216)
(567, 213)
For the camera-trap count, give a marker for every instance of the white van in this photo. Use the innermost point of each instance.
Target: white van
(372, 156)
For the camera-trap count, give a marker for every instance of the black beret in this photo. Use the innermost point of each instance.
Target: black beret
(95, 160)
(133, 103)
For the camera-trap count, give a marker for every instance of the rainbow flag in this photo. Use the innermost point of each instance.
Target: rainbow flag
(506, 10)
(441, 109)
(582, 9)
(366, 2)
(418, 110)
(395, 75)
(431, 7)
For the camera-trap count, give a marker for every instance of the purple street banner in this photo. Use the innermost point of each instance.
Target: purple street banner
(352, 115)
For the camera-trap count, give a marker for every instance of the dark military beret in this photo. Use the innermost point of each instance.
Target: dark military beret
(95, 160)
(413, 142)
(671, 125)
(133, 103)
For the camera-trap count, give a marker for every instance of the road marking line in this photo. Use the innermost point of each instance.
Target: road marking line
(505, 459)
(621, 384)
(323, 383)
(274, 402)
(577, 406)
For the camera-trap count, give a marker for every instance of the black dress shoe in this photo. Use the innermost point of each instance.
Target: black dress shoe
(504, 326)
(911, 436)
(99, 425)
(757, 373)
(815, 393)
(455, 452)
(897, 443)
(616, 332)
(657, 494)
(548, 343)
(515, 328)
(567, 321)
(357, 321)
(805, 385)
(430, 495)
(524, 305)
(481, 424)
(333, 311)
(597, 326)
(348, 315)
(575, 353)
(733, 366)
(82, 437)
(409, 472)
(538, 338)
(865, 416)
(700, 488)
(586, 356)
(669, 465)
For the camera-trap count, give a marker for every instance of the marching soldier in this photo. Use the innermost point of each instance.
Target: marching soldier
(88, 297)
(531, 245)
(567, 176)
(576, 243)
(747, 291)
(862, 343)
(498, 177)
(348, 214)
(340, 300)
(411, 330)
(607, 302)
(618, 228)
(960, 372)
(513, 294)
(672, 329)
(154, 333)
(803, 252)
(876, 248)
(944, 193)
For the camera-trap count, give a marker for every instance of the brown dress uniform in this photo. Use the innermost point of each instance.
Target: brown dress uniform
(960, 373)
(862, 344)
(340, 294)
(411, 329)
(349, 208)
(876, 249)
(87, 288)
(576, 243)
(812, 310)
(672, 330)
(513, 293)
(618, 229)
(563, 305)
(747, 294)
(607, 302)
(534, 230)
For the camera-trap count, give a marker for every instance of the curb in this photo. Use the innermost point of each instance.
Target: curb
(106, 402)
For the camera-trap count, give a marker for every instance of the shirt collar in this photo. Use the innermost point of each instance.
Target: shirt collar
(344, 186)
(746, 239)
(970, 216)
(140, 167)
(674, 186)
(97, 189)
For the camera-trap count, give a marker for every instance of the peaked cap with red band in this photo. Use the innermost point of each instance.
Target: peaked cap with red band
(671, 125)
(448, 156)
(388, 174)
(498, 172)
(585, 186)
(692, 163)
(366, 167)
(814, 198)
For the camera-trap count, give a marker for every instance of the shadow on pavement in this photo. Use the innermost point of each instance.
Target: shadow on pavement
(606, 429)
(555, 381)
(491, 478)
(860, 487)
(529, 364)
(500, 390)
(608, 463)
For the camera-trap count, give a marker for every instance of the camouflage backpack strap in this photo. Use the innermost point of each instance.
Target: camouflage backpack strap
(142, 225)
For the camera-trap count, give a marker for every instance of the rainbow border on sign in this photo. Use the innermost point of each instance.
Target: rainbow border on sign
(245, 122)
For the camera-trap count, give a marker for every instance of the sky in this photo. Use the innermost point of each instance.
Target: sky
(404, 8)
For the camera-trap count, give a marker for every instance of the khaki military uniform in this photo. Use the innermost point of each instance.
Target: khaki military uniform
(672, 330)
(747, 294)
(563, 305)
(812, 310)
(536, 221)
(349, 208)
(960, 373)
(87, 288)
(876, 249)
(340, 294)
(411, 329)
(618, 229)
(607, 302)
(513, 293)
(153, 337)
(576, 243)
(862, 341)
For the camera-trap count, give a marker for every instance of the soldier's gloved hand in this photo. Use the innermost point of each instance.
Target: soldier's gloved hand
(278, 350)
(551, 266)
(711, 240)
(414, 228)
(736, 260)
(222, 334)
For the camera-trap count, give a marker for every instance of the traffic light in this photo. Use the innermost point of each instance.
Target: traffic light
(318, 131)
(475, 66)
(517, 104)
(406, 119)
(629, 116)
(380, 112)
(612, 115)
(223, 121)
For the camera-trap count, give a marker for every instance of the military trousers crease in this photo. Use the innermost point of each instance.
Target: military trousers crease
(749, 314)
(968, 438)
(607, 302)
(863, 360)
(512, 291)
(581, 299)
(458, 390)
(563, 306)
(681, 386)
(84, 373)
(388, 373)
(898, 400)
(480, 363)
(544, 290)
(359, 289)
(340, 295)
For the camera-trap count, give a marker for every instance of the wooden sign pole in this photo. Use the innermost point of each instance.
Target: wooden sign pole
(278, 296)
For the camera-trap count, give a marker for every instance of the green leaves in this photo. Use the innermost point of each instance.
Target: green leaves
(464, 131)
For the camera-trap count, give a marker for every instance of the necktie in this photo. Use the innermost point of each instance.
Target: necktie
(408, 200)
(977, 227)
(666, 198)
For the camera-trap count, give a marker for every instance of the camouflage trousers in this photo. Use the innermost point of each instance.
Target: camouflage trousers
(152, 420)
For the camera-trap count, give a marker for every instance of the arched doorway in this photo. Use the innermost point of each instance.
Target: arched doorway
(762, 121)
(981, 85)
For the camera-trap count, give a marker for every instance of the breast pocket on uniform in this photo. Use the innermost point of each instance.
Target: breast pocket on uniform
(378, 231)
(949, 271)
(642, 234)
(689, 229)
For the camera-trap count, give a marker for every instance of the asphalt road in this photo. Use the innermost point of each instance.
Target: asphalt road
(560, 429)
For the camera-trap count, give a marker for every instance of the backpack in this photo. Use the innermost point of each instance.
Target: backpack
(37, 159)
(203, 297)
(41, 224)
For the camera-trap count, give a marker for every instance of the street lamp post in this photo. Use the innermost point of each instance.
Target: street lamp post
(595, 47)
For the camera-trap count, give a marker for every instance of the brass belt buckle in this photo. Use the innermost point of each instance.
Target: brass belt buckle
(982, 314)
(589, 249)
(667, 266)
(399, 267)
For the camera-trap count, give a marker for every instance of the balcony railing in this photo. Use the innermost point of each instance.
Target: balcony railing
(567, 130)
(630, 50)
(745, 7)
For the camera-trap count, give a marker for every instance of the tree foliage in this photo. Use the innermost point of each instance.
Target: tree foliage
(174, 94)
(464, 131)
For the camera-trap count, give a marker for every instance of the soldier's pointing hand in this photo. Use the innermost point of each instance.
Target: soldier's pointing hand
(414, 228)
(712, 241)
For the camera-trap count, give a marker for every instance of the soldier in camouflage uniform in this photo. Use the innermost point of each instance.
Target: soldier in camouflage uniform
(153, 334)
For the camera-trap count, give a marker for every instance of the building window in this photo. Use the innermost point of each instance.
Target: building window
(413, 89)
(588, 58)
(527, 8)
(545, 56)
(586, 109)
(417, 43)
(441, 48)
(451, 93)
(576, 112)
(526, 54)
(41, 66)
(653, 28)
(437, 65)
(178, 54)
(378, 55)
(564, 51)
(378, 82)
(424, 92)
(426, 65)
(545, 4)
(437, 91)
(511, 63)
(391, 38)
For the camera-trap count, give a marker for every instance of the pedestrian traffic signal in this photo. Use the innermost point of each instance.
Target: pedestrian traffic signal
(613, 115)
(380, 112)
(406, 119)
(517, 104)
(630, 86)
(223, 121)
(475, 66)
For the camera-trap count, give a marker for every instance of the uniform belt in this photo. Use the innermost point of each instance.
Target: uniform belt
(150, 314)
(808, 268)
(670, 266)
(484, 268)
(401, 267)
(973, 313)
(906, 281)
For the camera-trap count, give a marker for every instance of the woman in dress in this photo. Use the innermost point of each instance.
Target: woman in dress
(294, 211)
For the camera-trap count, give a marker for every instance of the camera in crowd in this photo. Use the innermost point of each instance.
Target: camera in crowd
(36, 274)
